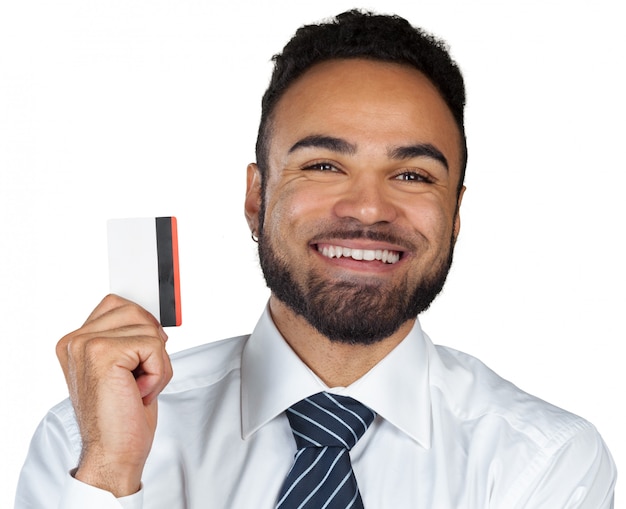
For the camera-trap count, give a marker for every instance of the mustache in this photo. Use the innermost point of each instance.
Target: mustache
(379, 234)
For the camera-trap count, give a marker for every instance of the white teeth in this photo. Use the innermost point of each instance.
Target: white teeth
(383, 255)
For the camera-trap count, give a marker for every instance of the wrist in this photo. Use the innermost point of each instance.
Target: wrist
(120, 480)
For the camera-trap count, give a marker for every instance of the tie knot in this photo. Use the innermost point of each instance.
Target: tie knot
(329, 420)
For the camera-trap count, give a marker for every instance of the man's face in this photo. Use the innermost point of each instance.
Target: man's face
(360, 208)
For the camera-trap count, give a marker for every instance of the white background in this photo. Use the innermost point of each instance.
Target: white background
(148, 108)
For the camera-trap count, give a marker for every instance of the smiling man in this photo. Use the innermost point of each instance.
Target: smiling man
(359, 213)
(337, 399)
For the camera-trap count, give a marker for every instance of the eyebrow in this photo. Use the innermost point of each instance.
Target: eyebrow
(418, 150)
(344, 147)
(328, 142)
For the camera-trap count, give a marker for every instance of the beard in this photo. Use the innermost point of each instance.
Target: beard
(354, 312)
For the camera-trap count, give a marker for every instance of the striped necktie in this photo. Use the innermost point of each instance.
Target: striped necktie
(325, 427)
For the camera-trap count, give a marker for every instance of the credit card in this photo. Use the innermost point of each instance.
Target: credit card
(143, 265)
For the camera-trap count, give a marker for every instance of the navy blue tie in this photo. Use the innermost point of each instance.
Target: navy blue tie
(326, 427)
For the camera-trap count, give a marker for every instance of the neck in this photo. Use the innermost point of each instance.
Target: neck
(337, 364)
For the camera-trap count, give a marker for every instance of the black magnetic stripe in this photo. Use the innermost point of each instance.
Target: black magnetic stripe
(167, 300)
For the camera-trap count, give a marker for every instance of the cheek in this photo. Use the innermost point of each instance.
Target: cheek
(299, 204)
(285, 212)
(431, 219)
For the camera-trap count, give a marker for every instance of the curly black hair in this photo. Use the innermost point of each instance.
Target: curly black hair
(363, 34)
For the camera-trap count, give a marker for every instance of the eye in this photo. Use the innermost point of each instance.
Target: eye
(413, 176)
(322, 166)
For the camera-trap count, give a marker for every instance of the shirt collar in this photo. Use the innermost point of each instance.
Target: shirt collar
(274, 378)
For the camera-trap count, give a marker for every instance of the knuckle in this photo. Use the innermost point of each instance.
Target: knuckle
(109, 303)
(96, 345)
(169, 371)
(111, 298)
(142, 332)
(151, 332)
(69, 345)
(88, 351)
(61, 347)
(136, 314)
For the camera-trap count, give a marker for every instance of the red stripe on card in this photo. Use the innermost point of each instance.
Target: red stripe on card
(179, 318)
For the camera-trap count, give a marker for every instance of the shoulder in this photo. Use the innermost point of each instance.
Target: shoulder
(556, 457)
(477, 394)
(206, 364)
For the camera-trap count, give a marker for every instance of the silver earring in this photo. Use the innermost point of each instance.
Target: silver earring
(254, 237)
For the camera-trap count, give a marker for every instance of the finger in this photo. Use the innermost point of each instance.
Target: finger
(126, 346)
(107, 304)
(113, 359)
(155, 375)
(143, 357)
(113, 304)
(62, 356)
(124, 315)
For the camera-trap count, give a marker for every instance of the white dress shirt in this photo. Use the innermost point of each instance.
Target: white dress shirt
(449, 433)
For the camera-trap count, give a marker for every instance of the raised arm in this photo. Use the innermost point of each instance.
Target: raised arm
(115, 366)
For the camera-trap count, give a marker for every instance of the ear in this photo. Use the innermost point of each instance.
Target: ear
(457, 216)
(253, 198)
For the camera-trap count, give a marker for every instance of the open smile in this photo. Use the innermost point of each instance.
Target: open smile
(382, 255)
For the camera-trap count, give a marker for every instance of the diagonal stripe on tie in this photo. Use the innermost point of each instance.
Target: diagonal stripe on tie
(320, 426)
(325, 427)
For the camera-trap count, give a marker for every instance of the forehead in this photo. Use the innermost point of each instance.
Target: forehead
(366, 102)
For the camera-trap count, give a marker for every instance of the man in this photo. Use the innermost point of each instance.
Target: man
(355, 201)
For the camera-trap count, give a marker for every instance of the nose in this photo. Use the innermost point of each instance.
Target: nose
(366, 200)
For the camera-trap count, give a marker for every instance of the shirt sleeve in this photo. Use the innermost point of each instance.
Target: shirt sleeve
(45, 481)
(78, 495)
(580, 475)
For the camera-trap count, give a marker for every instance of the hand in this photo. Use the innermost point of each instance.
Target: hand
(115, 366)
